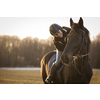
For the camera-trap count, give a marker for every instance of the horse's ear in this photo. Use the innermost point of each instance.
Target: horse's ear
(80, 23)
(71, 22)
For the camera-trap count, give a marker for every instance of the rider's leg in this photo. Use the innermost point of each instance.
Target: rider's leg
(54, 67)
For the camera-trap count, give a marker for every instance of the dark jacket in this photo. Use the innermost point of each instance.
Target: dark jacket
(60, 43)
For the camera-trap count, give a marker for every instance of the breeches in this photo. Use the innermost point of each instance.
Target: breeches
(58, 55)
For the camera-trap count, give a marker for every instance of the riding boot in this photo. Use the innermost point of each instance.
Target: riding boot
(51, 75)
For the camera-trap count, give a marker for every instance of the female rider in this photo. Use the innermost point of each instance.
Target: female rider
(60, 40)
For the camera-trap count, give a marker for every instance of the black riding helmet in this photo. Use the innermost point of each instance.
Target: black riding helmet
(54, 28)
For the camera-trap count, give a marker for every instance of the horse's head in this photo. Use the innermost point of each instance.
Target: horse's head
(78, 41)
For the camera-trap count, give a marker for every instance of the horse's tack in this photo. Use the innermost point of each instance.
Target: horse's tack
(82, 30)
(79, 56)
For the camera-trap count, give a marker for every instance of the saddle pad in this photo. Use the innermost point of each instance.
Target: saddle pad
(51, 61)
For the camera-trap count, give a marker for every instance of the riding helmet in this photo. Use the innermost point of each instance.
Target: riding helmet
(54, 28)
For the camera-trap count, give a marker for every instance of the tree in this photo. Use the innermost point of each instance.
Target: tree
(95, 52)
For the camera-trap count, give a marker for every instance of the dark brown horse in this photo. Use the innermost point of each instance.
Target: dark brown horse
(77, 68)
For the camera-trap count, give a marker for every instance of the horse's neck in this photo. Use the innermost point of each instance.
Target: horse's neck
(81, 64)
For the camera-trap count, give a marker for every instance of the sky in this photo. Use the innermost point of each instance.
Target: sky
(39, 26)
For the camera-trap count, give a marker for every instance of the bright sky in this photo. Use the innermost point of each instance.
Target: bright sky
(39, 26)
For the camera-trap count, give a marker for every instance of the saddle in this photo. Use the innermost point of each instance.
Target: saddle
(51, 61)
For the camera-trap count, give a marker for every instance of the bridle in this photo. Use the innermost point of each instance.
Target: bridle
(78, 55)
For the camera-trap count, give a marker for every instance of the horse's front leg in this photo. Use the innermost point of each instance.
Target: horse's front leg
(65, 75)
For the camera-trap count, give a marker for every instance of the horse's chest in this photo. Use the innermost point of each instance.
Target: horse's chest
(75, 78)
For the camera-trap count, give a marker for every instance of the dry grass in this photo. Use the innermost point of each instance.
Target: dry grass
(96, 77)
(32, 77)
(20, 77)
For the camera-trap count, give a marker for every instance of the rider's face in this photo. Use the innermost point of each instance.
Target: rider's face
(60, 34)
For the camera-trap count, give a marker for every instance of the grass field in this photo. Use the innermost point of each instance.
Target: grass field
(20, 77)
(32, 77)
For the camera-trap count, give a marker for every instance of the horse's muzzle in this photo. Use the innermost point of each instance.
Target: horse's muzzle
(64, 59)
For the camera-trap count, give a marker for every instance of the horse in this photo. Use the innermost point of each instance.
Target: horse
(75, 57)
(76, 54)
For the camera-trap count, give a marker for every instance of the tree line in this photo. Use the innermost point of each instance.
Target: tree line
(16, 52)
(95, 52)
